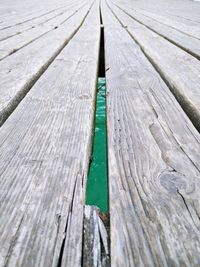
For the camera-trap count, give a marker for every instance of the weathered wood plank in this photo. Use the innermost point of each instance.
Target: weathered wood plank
(96, 248)
(179, 69)
(186, 12)
(20, 12)
(153, 161)
(29, 25)
(185, 41)
(45, 153)
(190, 30)
(20, 70)
(13, 44)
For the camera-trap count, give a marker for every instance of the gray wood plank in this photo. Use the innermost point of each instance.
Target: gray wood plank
(45, 153)
(183, 40)
(191, 30)
(96, 248)
(13, 44)
(184, 11)
(22, 12)
(153, 161)
(20, 70)
(28, 25)
(179, 69)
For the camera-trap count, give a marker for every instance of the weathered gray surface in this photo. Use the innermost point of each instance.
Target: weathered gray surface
(45, 151)
(23, 38)
(19, 71)
(45, 144)
(181, 39)
(153, 161)
(179, 69)
(96, 247)
(179, 12)
(14, 13)
(28, 25)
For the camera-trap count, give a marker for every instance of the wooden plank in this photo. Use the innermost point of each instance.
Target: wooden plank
(191, 30)
(45, 153)
(11, 45)
(28, 25)
(153, 161)
(179, 69)
(96, 248)
(25, 12)
(186, 12)
(185, 41)
(20, 70)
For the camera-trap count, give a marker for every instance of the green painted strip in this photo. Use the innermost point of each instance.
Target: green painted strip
(97, 184)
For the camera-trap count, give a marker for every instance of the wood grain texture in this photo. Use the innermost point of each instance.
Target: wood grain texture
(96, 248)
(29, 24)
(153, 161)
(178, 12)
(16, 13)
(179, 69)
(191, 30)
(19, 71)
(22, 39)
(181, 39)
(45, 152)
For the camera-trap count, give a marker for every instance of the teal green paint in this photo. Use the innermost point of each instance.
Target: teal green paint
(97, 184)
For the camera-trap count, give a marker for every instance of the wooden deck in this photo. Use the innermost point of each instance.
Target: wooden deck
(49, 61)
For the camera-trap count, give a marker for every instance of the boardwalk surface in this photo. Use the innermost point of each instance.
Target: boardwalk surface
(49, 61)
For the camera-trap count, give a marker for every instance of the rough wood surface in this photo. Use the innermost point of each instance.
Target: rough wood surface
(19, 71)
(180, 12)
(96, 248)
(179, 69)
(191, 30)
(30, 24)
(153, 161)
(49, 55)
(13, 13)
(181, 39)
(21, 39)
(45, 152)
